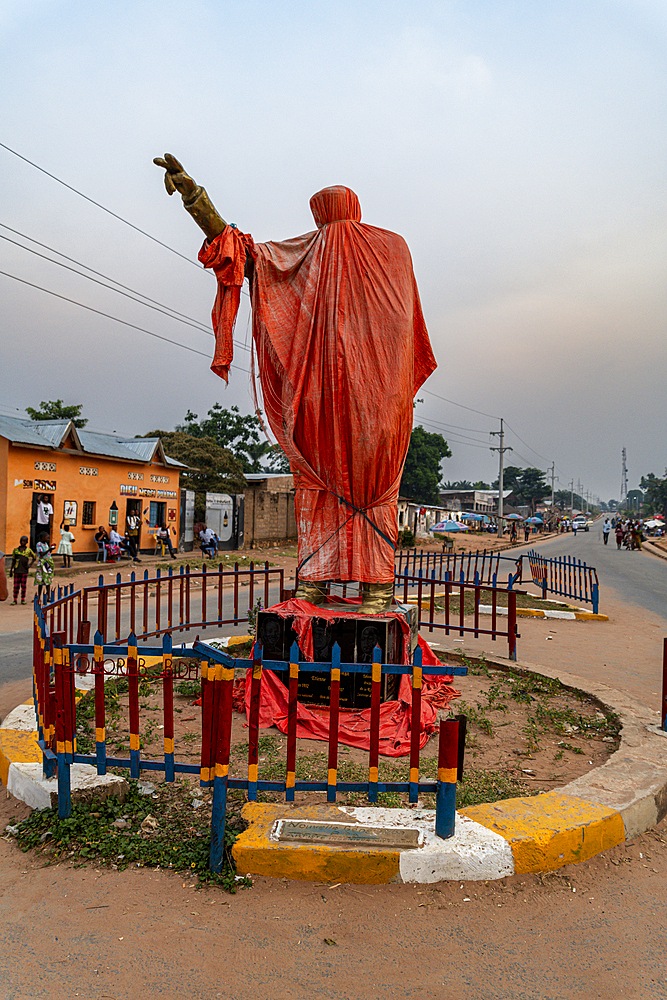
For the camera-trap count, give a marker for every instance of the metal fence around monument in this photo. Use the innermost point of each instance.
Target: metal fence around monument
(56, 662)
(565, 576)
(483, 564)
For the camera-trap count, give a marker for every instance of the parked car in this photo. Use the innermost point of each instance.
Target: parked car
(580, 523)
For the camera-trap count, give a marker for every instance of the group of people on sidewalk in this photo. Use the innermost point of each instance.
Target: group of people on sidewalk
(23, 558)
(629, 534)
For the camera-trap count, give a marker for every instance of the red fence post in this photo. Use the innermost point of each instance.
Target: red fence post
(253, 733)
(168, 706)
(445, 799)
(415, 724)
(290, 776)
(334, 712)
(133, 681)
(511, 624)
(374, 752)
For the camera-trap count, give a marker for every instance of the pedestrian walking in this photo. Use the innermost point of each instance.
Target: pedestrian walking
(45, 570)
(619, 534)
(22, 559)
(606, 528)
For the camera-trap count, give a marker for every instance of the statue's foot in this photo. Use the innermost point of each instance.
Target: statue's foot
(314, 593)
(377, 598)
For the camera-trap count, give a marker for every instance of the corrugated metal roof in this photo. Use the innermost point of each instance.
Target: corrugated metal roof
(257, 476)
(144, 448)
(51, 433)
(48, 433)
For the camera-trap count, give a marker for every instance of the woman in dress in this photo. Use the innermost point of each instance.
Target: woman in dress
(65, 546)
(45, 569)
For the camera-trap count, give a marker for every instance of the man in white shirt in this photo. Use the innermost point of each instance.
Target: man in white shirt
(209, 541)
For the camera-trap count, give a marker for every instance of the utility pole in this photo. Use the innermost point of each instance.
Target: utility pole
(624, 479)
(571, 495)
(501, 449)
(553, 477)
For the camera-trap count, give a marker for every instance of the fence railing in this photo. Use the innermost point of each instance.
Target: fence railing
(565, 576)
(448, 604)
(483, 564)
(55, 691)
(153, 605)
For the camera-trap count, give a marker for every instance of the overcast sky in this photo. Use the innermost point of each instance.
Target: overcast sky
(519, 148)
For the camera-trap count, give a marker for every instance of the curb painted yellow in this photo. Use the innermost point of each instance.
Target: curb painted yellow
(255, 853)
(585, 616)
(17, 747)
(548, 831)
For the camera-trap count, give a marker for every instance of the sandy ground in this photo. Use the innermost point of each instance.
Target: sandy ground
(594, 930)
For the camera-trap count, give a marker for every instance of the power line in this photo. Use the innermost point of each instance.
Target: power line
(100, 274)
(194, 323)
(462, 405)
(467, 443)
(98, 205)
(116, 319)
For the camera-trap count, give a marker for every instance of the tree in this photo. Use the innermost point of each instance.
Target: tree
(421, 474)
(242, 434)
(481, 485)
(211, 469)
(528, 485)
(655, 493)
(55, 409)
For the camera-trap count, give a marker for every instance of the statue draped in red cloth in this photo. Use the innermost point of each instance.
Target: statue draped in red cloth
(342, 349)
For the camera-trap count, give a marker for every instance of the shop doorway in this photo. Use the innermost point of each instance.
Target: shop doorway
(36, 529)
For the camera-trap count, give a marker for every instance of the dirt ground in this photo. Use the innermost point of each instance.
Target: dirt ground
(588, 931)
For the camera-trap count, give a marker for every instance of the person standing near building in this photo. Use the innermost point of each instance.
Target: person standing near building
(22, 559)
(44, 515)
(606, 529)
(44, 571)
(132, 534)
(65, 546)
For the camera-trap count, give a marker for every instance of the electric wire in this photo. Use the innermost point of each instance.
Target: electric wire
(116, 319)
(150, 304)
(97, 204)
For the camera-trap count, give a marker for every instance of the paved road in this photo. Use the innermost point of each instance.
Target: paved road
(637, 577)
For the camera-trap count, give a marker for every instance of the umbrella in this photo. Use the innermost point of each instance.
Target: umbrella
(653, 523)
(450, 526)
(473, 517)
(533, 520)
(660, 517)
(514, 517)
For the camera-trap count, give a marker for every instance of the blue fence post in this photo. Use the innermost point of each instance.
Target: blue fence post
(596, 597)
(445, 796)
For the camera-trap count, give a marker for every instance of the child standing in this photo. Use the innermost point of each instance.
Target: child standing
(22, 559)
(65, 547)
(44, 570)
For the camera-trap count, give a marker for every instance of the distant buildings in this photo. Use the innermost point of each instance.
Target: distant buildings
(89, 479)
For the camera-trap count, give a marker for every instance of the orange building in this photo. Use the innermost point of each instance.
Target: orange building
(90, 480)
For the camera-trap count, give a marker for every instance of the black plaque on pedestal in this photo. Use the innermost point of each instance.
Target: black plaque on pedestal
(357, 637)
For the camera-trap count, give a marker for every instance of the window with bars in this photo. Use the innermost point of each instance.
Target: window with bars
(88, 512)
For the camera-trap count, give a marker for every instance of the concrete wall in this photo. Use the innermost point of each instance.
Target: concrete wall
(269, 516)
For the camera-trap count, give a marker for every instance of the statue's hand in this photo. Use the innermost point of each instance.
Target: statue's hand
(175, 178)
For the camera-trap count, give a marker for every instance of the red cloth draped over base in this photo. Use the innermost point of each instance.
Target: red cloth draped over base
(354, 724)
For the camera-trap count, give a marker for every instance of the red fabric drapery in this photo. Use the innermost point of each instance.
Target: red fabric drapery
(341, 348)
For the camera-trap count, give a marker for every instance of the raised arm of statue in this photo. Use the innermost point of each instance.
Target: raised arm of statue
(195, 199)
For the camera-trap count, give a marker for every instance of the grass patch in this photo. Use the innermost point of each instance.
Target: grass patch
(549, 713)
(522, 601)
(176, 836)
